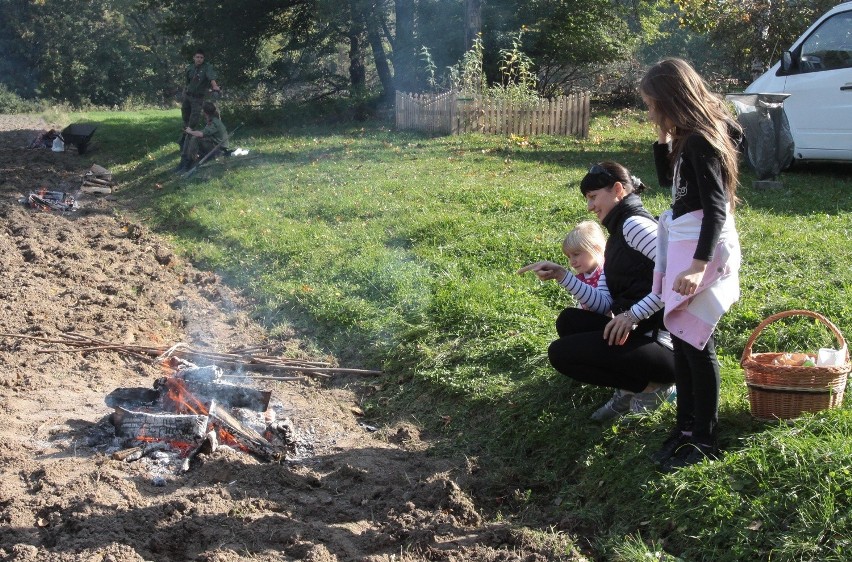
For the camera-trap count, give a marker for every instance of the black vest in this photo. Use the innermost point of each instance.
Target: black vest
(629, 274)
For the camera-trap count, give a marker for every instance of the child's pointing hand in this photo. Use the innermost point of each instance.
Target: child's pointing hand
(545, 270)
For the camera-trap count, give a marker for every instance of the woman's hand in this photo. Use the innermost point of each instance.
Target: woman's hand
(688, 280)
(545, 270)
(617, 330)
(663, 136)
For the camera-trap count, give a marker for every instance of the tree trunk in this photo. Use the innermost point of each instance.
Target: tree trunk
(356, 64)
(357, 74)
(472, 22)
(382, 68)
(404, 55)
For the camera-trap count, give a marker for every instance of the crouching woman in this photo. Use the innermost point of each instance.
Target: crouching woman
(617, 340)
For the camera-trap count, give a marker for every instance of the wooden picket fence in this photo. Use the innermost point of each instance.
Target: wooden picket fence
(448, 113)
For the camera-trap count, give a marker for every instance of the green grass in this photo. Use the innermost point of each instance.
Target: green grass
(397, 251)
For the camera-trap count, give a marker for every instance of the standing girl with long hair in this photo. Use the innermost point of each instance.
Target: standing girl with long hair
(698, 253)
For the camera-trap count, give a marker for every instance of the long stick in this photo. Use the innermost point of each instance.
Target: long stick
(211, 153)
(81, 343)
(264, 378)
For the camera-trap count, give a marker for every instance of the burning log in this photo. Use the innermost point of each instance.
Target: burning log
(234, 396)
(144, 426)
(52, 201)
(247, 437)
(190, 411)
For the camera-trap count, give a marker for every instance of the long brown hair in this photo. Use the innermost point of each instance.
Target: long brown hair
(682, 97)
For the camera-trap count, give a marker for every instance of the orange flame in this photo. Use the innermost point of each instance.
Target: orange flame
(183, 446)
(228, 438)
(184, 400)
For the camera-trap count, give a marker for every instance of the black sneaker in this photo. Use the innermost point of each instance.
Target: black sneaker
(689, 455)
(673, 442)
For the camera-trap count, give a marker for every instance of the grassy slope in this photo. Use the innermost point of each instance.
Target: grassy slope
(398, 251)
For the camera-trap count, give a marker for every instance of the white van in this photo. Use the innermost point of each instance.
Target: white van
(817, 73)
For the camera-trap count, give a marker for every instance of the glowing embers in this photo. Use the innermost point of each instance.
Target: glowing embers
(193, 411)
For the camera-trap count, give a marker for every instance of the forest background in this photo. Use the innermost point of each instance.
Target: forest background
(127, 53)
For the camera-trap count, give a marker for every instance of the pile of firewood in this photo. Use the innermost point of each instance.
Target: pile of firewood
(97, 180)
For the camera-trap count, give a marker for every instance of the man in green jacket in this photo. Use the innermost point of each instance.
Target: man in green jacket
(200, 77)
(214, 136)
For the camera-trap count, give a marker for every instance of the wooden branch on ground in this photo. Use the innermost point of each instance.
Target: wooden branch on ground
(98, 181)
(87, 188)
(80, 343)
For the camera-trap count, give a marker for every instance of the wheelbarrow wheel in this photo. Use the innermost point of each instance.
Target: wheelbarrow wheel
(82, 147)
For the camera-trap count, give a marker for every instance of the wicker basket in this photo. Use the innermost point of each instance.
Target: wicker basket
(787, 391)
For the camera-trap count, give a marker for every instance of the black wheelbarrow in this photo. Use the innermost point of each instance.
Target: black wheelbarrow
(78, 134)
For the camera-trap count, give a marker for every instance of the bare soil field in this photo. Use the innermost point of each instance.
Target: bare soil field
(353, 492)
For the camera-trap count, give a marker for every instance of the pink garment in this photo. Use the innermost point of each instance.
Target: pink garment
(694, 318)
(590, 278)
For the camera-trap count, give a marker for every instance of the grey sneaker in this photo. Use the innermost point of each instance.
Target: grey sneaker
(648, 401)
(615, 407)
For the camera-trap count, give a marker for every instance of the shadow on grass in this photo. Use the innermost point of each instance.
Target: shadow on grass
(119, 140)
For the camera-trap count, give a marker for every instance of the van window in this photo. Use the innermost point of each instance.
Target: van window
(830, 46)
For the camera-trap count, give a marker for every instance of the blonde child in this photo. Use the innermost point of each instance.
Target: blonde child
(584, 248)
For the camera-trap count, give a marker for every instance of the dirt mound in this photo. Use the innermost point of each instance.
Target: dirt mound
(352, 495)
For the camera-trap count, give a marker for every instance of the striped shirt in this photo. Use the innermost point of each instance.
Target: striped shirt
(640, 233)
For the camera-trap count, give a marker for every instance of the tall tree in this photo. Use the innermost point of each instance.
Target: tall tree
(85, 50)
(744, 30)
(472, 22)
(356, 58)
(404, 46)
(374, 36)
(567, 39)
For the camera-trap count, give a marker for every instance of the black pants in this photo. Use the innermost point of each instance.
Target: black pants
(582, 354)
(698, 380)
